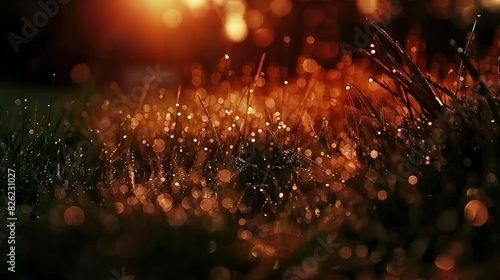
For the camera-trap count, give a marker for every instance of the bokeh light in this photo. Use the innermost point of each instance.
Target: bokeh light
(80, 73)
(172, 18)
(236, 28)
(74, 216)
(476, 213)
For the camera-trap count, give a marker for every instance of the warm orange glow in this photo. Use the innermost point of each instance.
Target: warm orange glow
(382, 195)
(281, 7)
(235, 7)
(310, 65)
(491, 4)
(123, 188)
(270, 103)
(199, 8)
(476, 213)
(164, 200)
(345, 252)
(413, 179)
(195, 4)
(158, 145)
(367, 6)
(132, 201)
(139, 190)
(444, 262)
(172, 18)
(310, 39)
(176, 217)
(236, 28)
(254, 19)
(158, 3)
(80, 73)
(362, 251)
(225, 175)
(157, 28)
(119, 207)
(206, 204)
(263, 37)
(74, 216)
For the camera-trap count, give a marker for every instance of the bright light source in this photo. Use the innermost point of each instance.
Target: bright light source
(236, 28)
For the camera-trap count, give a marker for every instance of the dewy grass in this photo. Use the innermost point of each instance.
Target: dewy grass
(281, 166)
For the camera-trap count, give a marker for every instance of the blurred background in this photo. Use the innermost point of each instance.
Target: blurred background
(85, 47)
(114, 37)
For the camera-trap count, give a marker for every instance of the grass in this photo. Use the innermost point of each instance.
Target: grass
(389, 167)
